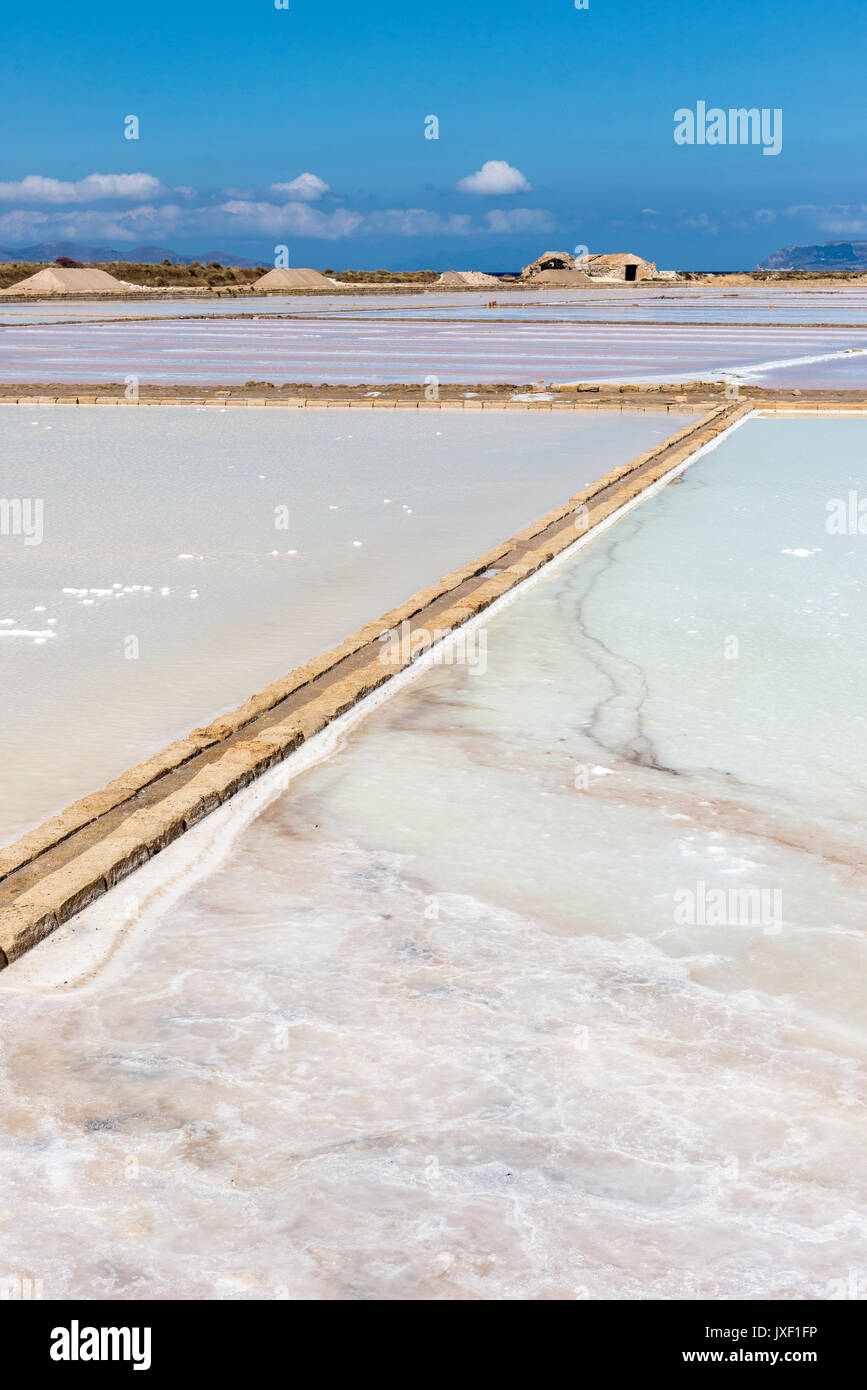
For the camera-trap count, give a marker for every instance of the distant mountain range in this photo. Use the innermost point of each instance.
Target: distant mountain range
(832, 255)
(146, 255)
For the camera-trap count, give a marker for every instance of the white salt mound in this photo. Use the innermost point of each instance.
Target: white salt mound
(458, 279)
(294, 279)
(59, 279)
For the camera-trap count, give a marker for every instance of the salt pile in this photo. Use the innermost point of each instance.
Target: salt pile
(59, 279)
(295, 279)
(475, 279)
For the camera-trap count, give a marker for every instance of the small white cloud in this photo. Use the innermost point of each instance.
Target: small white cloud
(495, 176)
(307, 188)
(650, 211)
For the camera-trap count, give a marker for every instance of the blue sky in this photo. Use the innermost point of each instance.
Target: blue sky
(574, 109)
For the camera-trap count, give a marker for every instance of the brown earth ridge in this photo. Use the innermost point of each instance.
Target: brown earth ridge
(406, 395)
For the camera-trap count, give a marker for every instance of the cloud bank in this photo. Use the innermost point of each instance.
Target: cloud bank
(285, 210)
(36, 189)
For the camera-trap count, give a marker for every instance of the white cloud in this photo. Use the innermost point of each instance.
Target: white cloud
(117, 186)
(417, 222)
(519, 220)
(298, 219)
(495, 176)
(700, 222)
(836, 219)
(307, 188)
(827, 210)
(21, 226)
(844, 228)
(37, 189)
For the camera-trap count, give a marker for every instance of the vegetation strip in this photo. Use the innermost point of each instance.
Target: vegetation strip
(56, 870)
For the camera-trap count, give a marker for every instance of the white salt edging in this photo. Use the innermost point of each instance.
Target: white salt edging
(743, 376)
(806, 412)
(86, 950)
(747, 375)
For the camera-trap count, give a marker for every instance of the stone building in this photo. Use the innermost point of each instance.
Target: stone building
(558, 267)
(552, 260)
(620, 265)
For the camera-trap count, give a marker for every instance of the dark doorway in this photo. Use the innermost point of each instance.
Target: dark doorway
(631, 272)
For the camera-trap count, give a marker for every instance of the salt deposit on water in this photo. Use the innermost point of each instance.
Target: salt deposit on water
(458, 1018)
(233, 351)
(673, 303)
(158, 562)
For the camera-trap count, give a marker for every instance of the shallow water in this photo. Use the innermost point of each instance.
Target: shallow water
(670, 303)
(156, 599)
(435, 1029)
(234, 351)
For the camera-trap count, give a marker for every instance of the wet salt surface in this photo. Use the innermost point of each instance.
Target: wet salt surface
(669, 303)
(167, 588)
(847, 372)
(433, 1030)
(352, 351)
